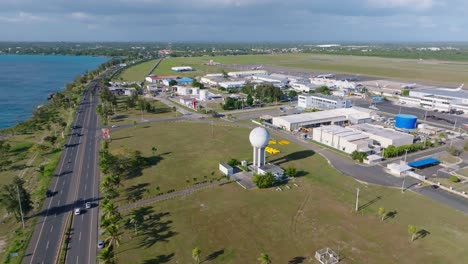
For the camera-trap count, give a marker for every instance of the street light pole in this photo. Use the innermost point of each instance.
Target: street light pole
(21, 208)
(357, 200)
(406, 154)
(403, 184)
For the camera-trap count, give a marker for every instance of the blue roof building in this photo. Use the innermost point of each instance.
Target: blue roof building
(182, 81)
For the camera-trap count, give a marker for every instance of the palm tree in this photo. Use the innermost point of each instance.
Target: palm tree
(154, 149)
(109, 210)
(113, 235)
(412, 230)
(382, 212)
(106, 256)
(196, 254)
(135, 219)
(264, 259)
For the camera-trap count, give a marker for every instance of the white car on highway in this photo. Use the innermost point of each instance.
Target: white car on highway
(77, 211)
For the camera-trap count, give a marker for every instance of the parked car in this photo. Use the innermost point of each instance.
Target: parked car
(49, 193)
(100, 244)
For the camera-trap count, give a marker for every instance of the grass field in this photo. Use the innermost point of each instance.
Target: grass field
(128, 115)
(136, 73)
(198, 63)
(405, 69)
(232, 225)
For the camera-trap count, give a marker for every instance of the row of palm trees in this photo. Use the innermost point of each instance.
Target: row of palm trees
(111, 218)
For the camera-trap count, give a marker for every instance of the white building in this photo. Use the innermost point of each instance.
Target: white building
(384, 137)
(239, 74)
(322, 101)
(182, 68)
(441, 99)
(226, 169)
(232, 84)
(343, 139)
(353, 115)
(269, 79)
(129, 91)
(333, 83)
(303, 87)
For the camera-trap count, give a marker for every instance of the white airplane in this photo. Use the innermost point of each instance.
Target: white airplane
(329, 75)
(257, 68)
(452, 89)
(409, 86)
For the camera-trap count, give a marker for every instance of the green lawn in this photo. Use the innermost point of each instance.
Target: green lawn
(126, 115)
(137, 72)
(463, 172)
(234, 225)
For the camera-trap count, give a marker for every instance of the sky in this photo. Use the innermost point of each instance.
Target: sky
(234, 20)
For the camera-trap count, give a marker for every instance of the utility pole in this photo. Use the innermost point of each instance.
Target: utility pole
(406, 154)
(21, 208)
(399, 110)
(403, 184)
(455, 125)
(212, 129)
(425, 115)
(357, 200)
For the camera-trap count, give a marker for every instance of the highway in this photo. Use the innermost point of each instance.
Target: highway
(76, 180)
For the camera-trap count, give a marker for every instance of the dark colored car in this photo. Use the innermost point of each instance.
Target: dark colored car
(49, 193)
(434, 186)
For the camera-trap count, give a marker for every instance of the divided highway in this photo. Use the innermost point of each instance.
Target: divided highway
(75, 182)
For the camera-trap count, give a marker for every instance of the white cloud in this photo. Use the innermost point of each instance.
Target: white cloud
(412, 4)
(22, 17)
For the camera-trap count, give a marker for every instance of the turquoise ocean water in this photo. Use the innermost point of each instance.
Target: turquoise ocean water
(26, 80)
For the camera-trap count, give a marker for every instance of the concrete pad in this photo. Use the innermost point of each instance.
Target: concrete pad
(244, 179)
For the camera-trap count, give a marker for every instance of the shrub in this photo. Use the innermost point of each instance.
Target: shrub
(263, 181)
(233, 162)
(454, 151)
(454, 178)
(360, 156)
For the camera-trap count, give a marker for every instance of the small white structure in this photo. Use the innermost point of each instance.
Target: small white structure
(182, 68)
(372, 159)
(259, 138)
(398, 169)
(226, 169)
(326, 256)
(129, 91)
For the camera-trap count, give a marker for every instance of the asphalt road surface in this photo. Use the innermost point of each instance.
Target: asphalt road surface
(75, 179)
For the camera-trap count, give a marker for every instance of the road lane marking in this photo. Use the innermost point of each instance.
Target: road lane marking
(77, 260)
(63, 183)
(51, 228)
(85, 187)
(47, 246)
(79, 237)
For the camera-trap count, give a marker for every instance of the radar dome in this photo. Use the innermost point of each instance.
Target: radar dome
(259, 137)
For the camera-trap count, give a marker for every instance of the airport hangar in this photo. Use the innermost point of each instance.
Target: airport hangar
(354, 115)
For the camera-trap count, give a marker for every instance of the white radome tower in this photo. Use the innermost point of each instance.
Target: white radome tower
(259, 138)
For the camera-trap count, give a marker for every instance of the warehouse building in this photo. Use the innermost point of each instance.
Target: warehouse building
(441, 99)
(241, 74)
(339, 116)
(384, 137)
(322, 101)
(341, 138)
